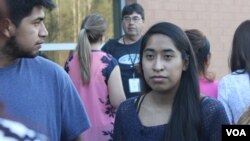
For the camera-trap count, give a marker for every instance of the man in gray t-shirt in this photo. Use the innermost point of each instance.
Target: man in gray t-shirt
(35, 91)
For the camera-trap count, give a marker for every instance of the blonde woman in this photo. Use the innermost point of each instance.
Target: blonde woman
(245, 118)
(97, 78)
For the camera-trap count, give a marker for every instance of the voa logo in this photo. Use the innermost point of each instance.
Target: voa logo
(236, 132)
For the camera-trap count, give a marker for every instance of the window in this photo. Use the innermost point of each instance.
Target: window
(63, 24)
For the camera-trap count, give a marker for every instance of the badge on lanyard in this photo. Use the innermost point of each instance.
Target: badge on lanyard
(134, 85)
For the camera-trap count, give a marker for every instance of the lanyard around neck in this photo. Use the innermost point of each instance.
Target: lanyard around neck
(130, 57)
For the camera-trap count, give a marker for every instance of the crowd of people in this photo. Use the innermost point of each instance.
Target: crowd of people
(138, 87)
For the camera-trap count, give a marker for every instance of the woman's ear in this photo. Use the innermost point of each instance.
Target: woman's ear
(207, 62)
(185, 64)
(102, 39)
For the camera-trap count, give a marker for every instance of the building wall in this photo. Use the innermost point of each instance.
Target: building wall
(217, 19)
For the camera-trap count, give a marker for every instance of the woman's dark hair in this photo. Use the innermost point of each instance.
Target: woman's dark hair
(240, 54)
(134, 7)
(184, 123)
(201, 47)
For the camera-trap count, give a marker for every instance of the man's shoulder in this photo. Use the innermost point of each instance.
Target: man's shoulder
(46, 62)
(114, 40)
(43, 65)
(111, 43)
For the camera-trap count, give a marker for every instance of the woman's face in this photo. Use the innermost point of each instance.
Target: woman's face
(162, 64)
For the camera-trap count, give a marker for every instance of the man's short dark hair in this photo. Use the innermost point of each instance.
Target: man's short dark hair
(18, 9)
(134, 7)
